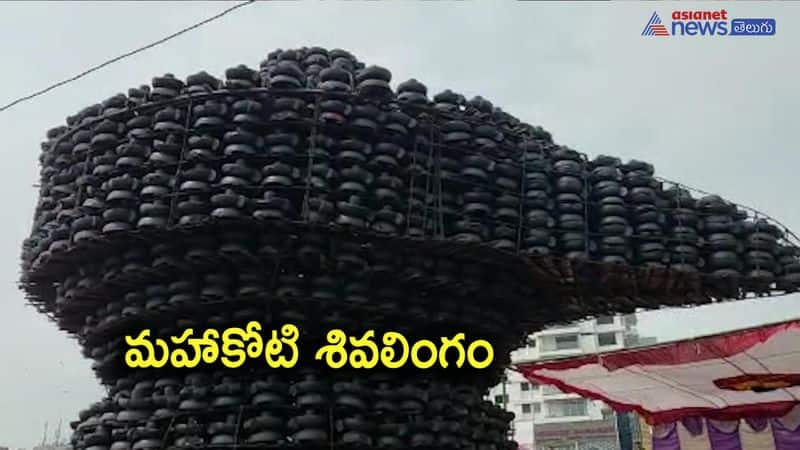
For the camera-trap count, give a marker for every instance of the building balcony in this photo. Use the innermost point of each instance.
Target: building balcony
(558, 353)
(566, 329)
(525, 354)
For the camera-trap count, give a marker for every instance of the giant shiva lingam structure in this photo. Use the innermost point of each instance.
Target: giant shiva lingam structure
(310, 193)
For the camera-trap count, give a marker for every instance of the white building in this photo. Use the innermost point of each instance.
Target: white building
(546, 406)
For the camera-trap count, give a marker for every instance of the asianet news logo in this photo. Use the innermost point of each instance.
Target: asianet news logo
(707, 23)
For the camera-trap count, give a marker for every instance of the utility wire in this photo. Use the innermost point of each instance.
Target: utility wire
(125, 55)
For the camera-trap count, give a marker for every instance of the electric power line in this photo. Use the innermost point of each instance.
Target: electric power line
(125, 55)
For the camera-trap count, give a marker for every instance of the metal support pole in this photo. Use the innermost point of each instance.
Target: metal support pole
(505, 381)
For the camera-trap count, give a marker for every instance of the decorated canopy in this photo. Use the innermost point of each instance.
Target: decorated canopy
(752, 373)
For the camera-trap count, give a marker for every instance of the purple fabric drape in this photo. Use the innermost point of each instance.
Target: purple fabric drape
(721, 439)
(668, 440)
(785, 439)
(694, 425)
(758, 424)
(724, 435)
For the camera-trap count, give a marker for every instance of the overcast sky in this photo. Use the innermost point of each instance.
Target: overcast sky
(716, 113)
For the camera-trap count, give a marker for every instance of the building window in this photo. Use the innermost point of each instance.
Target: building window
(606, 339)
(605, 320)
(537, 407)
(566, 342)
(499, 399)
(567, 408)
(524, 386)
(526, 408)
(530, 343)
